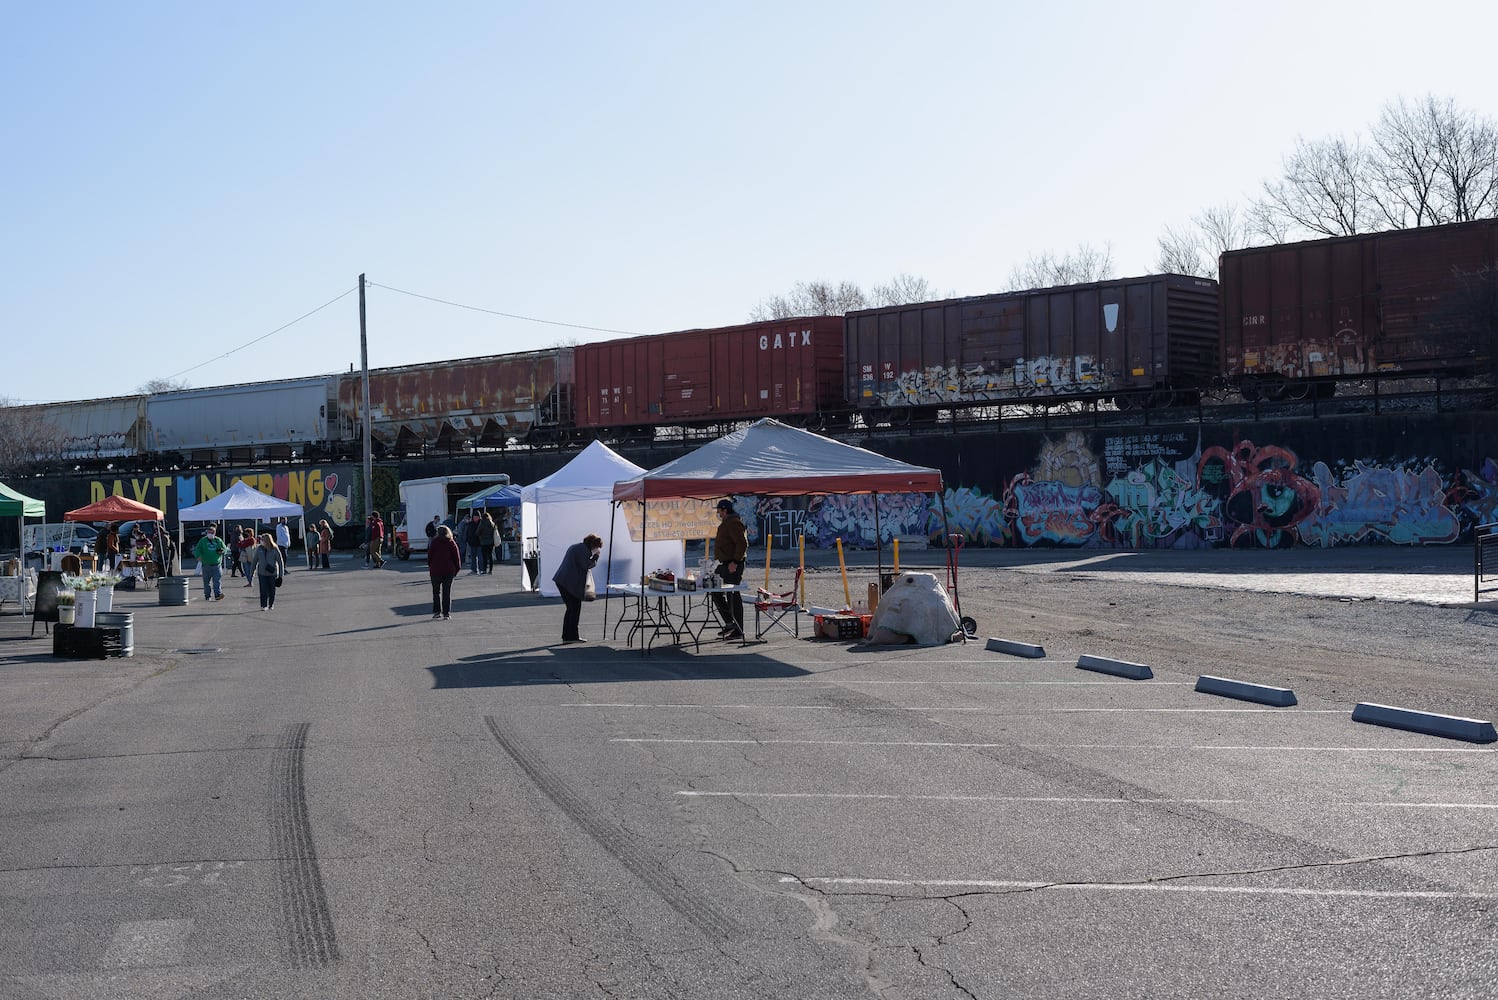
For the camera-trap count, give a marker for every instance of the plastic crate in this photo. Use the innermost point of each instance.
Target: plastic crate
(848, 627)
(74, 643)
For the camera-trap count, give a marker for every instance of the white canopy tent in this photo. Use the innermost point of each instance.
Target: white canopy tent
(576, 500)
(240, 502)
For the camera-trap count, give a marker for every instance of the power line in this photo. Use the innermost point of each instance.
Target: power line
(284, 326)
(496, 312)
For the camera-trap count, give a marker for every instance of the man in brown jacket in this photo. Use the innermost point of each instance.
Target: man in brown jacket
(731, 546)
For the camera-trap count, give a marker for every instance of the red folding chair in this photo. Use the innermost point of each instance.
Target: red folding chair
(776, 608)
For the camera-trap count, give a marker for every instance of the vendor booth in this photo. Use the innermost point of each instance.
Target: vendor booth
(769, 458)
(17, 583)
(133, 566)
(240, 502)
(577, 500)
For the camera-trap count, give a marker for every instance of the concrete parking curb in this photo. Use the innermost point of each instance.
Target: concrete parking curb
(1431, 723)
(996, 645)
(1121, 668)
(1263, 694)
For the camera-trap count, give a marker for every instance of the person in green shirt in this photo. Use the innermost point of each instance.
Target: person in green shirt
(210, 555)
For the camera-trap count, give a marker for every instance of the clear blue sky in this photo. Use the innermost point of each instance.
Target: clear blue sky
(182, 179)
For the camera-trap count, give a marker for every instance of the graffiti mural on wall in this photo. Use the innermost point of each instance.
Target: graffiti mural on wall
(324, 492)
(1260, 497)
(1405, 505)
(1170, 491)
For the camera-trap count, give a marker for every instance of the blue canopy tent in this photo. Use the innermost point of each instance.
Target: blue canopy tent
(503, 495)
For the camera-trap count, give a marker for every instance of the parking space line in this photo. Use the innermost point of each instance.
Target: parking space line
(1239, 890)
(1053, 746)
(1118, 684)
(1080, 800)
(950, 708)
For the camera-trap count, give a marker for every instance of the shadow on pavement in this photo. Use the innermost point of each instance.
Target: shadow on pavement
(582, 664)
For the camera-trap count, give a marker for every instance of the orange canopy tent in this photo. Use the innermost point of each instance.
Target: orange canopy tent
(115, 509)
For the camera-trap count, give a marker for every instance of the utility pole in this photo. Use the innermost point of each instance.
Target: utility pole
(364, 410)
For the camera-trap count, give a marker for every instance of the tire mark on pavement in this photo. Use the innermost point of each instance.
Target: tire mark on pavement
(308, 940)
(637, 859)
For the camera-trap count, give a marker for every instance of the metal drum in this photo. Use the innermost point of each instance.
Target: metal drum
(173, 590)
(125, 622)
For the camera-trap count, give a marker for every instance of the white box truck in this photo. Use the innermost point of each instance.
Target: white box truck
(424, 499)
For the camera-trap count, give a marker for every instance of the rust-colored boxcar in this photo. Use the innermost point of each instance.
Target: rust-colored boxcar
(473, 401)
(790, 369)
(1409, 301)
(1129, 339)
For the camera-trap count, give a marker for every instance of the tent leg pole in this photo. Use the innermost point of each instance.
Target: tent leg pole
(608, 570)
(947, 537)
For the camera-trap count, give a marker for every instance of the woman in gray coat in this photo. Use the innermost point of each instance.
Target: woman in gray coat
(571, 579)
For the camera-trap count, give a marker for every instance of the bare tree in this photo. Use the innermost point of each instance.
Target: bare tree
(1404, 173)
(1326, 190)
(1425, 162)
(162, 385)
(905, 288)
(1194, 250)
(811, 298)
(1467, 164)
(1043, 270)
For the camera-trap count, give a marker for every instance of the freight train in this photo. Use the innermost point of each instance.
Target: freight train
(1287, 321)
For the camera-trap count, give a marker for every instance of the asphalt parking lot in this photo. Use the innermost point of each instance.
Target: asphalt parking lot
(786, 819)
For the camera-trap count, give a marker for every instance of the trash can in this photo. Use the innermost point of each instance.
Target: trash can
(173, 590)
(125, 622)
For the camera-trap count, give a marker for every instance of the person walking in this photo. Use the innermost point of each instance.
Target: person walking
(471, 541)
(572, 578)
(443, 564)
(267, 565)
(377, 541)
(324, 542)
(210, 555)
(232, 538)
(488, 535)
(246, 554)
(731, 546)
(283, 539)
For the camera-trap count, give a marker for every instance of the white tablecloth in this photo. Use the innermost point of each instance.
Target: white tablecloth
(11, 591)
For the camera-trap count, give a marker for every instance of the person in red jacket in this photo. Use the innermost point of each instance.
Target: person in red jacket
(377, 541)
(443, 564)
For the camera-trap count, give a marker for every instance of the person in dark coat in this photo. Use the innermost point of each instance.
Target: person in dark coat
(571, 579)
(731, 547)
(470, 529)
(443, 564)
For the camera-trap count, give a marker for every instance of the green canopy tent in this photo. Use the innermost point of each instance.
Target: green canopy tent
(20, 507)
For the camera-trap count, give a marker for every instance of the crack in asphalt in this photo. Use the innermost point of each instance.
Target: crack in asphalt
(928, 893)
